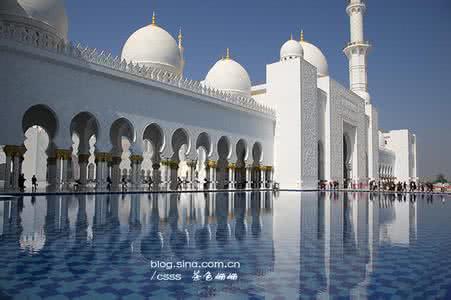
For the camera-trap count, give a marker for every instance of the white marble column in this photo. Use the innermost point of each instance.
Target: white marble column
(136, 161)
(232, 181)
(83, 160)
(102, 159)
(62, 158)
(156, 174)
(116, 171)
(9, 152)
(191, 173)
(7, 172)
(165, 173)
(248, 176)
(211, 172)
(263, 177)
(173, 178)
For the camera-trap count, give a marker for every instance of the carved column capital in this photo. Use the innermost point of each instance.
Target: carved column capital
(213, 164)
(12, 150)
(231, 166)
(191, 163)
(136, 158)
(63, 154)
(83, 158)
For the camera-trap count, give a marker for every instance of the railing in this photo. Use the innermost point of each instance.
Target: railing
(358, 43)
(349, 2)
(106, 59)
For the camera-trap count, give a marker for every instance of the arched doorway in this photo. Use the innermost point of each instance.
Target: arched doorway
(84, 129)
(178, 165)
(203, 149)
(256, 176)
(154, 140)
(240, 173)
(39, 125)
(224, 153)
(122, 136)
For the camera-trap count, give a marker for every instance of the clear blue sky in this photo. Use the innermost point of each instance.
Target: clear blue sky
(409, 66)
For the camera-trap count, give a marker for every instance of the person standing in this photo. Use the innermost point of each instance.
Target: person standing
(22, 182)
(34, 183)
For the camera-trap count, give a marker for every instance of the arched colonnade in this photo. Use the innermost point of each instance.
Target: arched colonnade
(170, 157)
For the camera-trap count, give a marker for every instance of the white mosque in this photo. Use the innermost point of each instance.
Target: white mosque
(72, 113)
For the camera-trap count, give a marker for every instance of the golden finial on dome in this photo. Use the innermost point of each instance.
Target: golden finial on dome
(291, 36)
(180, 37)
(302, 35)
(227, 54)
(154, 19)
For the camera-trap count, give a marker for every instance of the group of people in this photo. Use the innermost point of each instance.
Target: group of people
(374, 185)
(34, 183)
(324, 185)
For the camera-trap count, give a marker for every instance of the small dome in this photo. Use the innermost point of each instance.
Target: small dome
(49, 15)
(291, 49)
(313, 55)
(229, 76)
(152, 46)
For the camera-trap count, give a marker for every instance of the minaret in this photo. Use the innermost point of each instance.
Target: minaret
(357, 50)
(181, 49)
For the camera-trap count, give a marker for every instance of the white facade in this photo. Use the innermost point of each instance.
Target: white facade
(299, 127)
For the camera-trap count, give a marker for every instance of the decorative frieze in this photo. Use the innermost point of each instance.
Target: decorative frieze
(213, 164)
(105, 59)
(103, 157)
(12, 150)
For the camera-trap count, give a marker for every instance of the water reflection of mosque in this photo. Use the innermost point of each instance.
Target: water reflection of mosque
(338, 237)
(116, 229)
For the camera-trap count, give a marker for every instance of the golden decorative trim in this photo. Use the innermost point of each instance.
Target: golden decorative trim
(83, 158)
(103, 156)
(302, 35)
(191, 163)
(227, 53)
(12, 150)
(212, 164)
(154, 19)
(116, 160)
(174, 165)
(63, 154)
(136, 158)
(232, 166)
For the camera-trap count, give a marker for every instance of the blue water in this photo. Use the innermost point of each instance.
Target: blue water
(226, 246)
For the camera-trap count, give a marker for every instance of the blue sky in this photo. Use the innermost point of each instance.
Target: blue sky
(409, 66)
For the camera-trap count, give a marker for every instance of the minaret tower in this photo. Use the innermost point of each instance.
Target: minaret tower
(357, 50)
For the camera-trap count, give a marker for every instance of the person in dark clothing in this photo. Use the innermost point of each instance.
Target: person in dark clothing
(124, 183)
(34, 183)
(150, 182)
(22, 182)
(405, 187)
(108, 183)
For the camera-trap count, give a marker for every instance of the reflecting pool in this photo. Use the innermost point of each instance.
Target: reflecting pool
(255, 245)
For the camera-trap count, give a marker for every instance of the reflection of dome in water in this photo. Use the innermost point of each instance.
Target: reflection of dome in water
(32, 243)
(202, 237)
(152, 245)
(178, 240)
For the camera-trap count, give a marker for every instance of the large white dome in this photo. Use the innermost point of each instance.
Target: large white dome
(153, 46)
(291, 49)
(313, 55)
(49, 15)
(229, 76)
